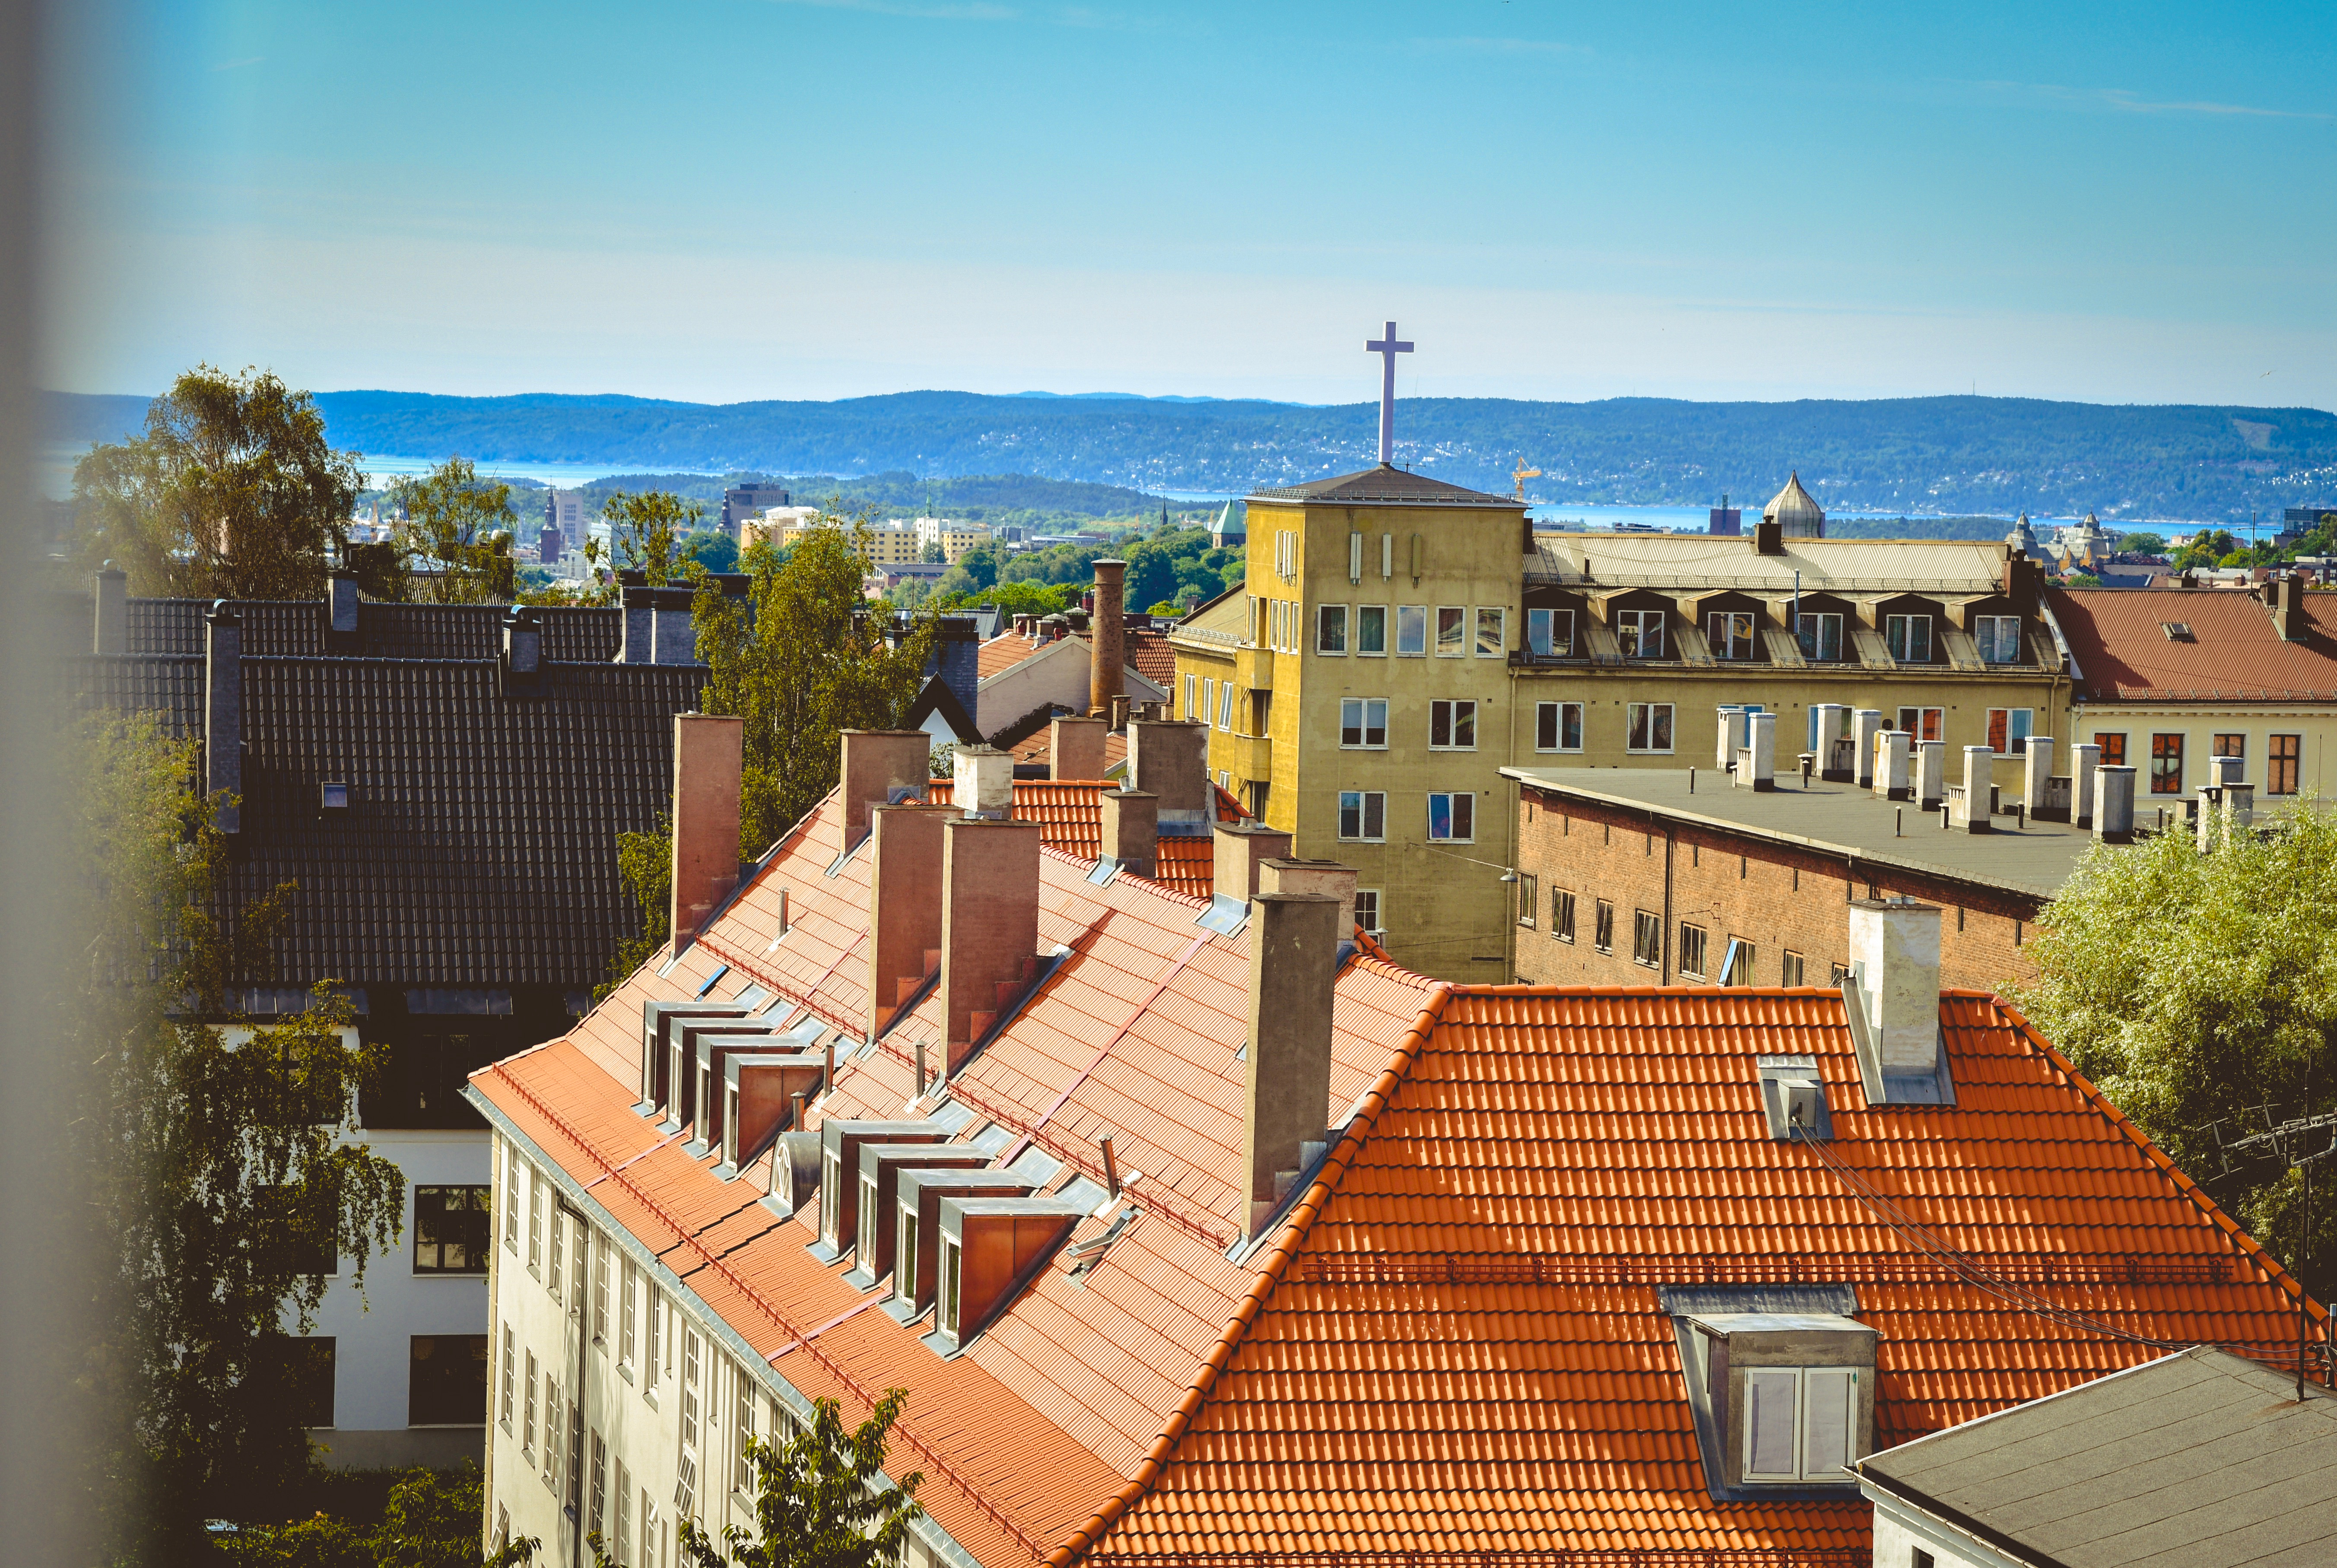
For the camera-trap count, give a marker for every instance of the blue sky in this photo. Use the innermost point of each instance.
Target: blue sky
(725, 200)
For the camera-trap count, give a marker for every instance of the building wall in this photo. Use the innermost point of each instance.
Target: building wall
(1901, 1531)
(2314, 726)
(1778, 897)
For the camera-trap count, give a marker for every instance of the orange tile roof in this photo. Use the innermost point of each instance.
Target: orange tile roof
(1070, 819)
(1150, 656)
(1002, 652)
(2235, 653)
(1455, 1344)
(1039, 747)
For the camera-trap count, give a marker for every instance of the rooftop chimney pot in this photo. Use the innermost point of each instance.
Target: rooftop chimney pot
(1075, 748)
(2114, 805)
(1282, 875)
(1108, 642)
(990, 927)
(1169, 758)
(879, 767)
(984, 782)
(905, 906)
(341, 596)
(112, 629)
(1895, 955)
(1865, 724)
(1293, 950)
(1240, 847)
(706, 758)
(1131, 830)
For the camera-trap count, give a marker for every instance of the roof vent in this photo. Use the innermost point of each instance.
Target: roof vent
(2177, 631)
(1793, 1098)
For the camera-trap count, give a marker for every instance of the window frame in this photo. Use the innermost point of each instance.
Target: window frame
(1725, 645)
(1326, 617)
(1226, 706)
(1495, 618)
(2289, 765)
(1557, 725)
(1458, 805)
(1458, 642)
(1900, 645)
(1989, 633)
(1933, 720)
(1633, 732)
(1561, 915)
(1457, 716)
(1737, 961)
(1365, 616)
(1802, 1472)
(1528, 900)
(1602, 928)
(1648, 940)
(2002, 738)
(1368, 899)
(1363, 728)
(1637, 621)
(1546, 642)
(2163, 781)
(1365, 802)
(1411, 620)
(1693, 941)
(2217, 742)
(1789, 968)
(1810, 629)
(475, 1191)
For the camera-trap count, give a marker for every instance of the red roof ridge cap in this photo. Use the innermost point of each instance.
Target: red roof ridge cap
(1253, 1301)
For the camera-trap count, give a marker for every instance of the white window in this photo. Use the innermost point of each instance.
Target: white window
(1651, 727)
(952, 1259)
(1924, 723)
(742, 1467)
(1909, 638)
(535, 1226)
(690, 1352)
(655, 1310)
(1998, 637)
(1492, 632)
(2007, 730)
(510, 1198)
(553, 1428)
(1730, 632)
(1452, 631)
(1387, 555)
(1363, 815)
(1331, 627)
(1354, 557)
(1226, 706)
(1452, 818)
(624, 1553)
(1192, 706)
(527, 1412)
(628, 1316)
(1367, 909)
(600, 1293)
(1821, 636)
(1641, 632)
(1550, 633)
(1363, 721)
(1209, 700)
(1453, 725)
(1799, 1422)
(1411, 629)
(1558, 726)
(1371, 631)
(511, 1377)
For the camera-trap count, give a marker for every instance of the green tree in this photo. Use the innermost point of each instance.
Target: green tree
(456, 537)
(218, 1173)
(820, 1500)
(431, 1521)
(1014, 599)
(2142, 544)
(645, 866)
(800, 657)
(714, 551)
(2196, 988)
(646, 529)
(231, 492)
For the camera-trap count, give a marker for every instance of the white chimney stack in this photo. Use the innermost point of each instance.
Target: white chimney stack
(1894, 959)
(2038, 776)
(1979, 786)
(1732, 738)
(2085, 760)
(985, 782)
(2114, 805)
(1865, 725)
(1891, 763)
(1757, 764)
(1930, 781)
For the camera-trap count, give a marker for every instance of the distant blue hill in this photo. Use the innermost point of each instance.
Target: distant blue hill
(1950, 456)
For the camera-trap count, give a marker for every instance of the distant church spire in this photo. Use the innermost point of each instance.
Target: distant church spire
(1387, 349)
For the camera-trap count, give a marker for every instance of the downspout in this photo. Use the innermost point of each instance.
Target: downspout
(1664, 944)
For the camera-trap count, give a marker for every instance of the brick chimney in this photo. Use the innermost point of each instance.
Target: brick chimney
(984, 782)
(905, 906)
(1108, 641)
(1240, 848)
(223, 714)
(1075, 748)
(523, 650)
(1314, 877)
(1169, 758)
(2287, 592)
(1895, 955)
(113, 630)
(878, 764)
(989, 927)
(706, 769)
(1294, 955)
(1131, 830)
(341, 603)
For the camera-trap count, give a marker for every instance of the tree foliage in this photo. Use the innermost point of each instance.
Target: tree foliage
(801, 658)
(2201, 989)
(645, 866)
(432, 1521)
(232, 491)
(646, 528)
(456, 539)
(216, 1173)
(820, 1499)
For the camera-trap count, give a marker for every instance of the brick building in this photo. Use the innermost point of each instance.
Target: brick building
(1626, 877)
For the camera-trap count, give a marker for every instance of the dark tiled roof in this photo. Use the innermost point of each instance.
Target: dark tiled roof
(297, 627)
(1388, 487)
(156, 625)
(2118, 638)
(173, 687)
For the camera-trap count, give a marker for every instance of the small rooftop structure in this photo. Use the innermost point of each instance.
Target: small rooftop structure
(1796, 511)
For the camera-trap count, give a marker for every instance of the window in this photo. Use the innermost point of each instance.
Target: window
(579, 1238)
(1192, 704)
(628, 1316)
(1919, 1558)
(1998, 637)
(1691, 953)
(1452, 818)
(742, 1467)
(1736, 964)
(951, 1275)
(447, 1380)
(1730, 632)
(1363, 721)
(624, 1557)
(658, 1338)
(689, 1353)
(1602, 929)
(534, 1220)
(600, 1251)
(1362, 814)
(2113, 750)
(595, 1514)
(1646, 939)
(1909, 638)
(1226, 706)
(1558, 727)
(1411, 629)
(1209, 700)
(1330, 629)
(510, 1198)
(2230, 746)
(1651, 727)
(1492, 632)
(450, 1229)
(1819, 635)
(1367, 909)
(1550, 633)
(553, 1427)
(1790, 972)
(1561, 915)
(1371, 629)
(511, 1377)
(1799, 1422)
(1453, 725)
(574, 1494)
(2287, 752)
(527, 1413)
(1641, 632)
(1924, 723)
(2007, 730)
(2167, 764)
(559, 1240)
(1452, 631)
(1529, 899)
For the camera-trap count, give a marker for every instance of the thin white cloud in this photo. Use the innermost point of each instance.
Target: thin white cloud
(2120, 100)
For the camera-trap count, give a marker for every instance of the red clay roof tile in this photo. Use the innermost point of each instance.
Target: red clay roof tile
(2122, 651)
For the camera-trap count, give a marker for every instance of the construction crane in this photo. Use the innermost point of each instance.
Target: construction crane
(1522, 475)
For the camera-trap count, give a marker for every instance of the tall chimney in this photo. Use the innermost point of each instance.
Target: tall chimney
(1314, 877)
(223, 715)
(1240, 848)
(1169, 758)
(638, 641)
(984, 782)
(1930, 782)
(523, 651)
(1075, 748)
(1891, 759)
(2114, 805)
(1834, 719)
(989, 927)
(2288, 607)
(1131, 830)
(1895, 955)
(341, 603)
(2037, 776)
(1294, 955)
(2085, 760)
(877, 765)
(1756, 765)
(1865, 725)
(1108, 641)
(113, 630)
(905, 906)
(707, 761)
(1732, 738)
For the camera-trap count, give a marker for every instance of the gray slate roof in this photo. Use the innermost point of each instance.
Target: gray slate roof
(1386, 486)
(2200, 1460)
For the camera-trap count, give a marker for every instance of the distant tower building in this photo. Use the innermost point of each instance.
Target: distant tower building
(1796, 515)
(2024, 538)
(563, 524)
(1726, 520)
(745, 502)
(1231, 531)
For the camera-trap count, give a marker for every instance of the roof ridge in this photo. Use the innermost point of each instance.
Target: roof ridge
(1286, 1247)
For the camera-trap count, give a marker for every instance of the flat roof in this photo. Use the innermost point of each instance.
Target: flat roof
(1838, 820)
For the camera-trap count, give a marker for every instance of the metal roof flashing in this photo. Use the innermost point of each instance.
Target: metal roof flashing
(1937, 1087)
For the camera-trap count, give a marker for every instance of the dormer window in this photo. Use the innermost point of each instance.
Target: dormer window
(1799, 1422)
(332, 796)
(1780, 1381)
